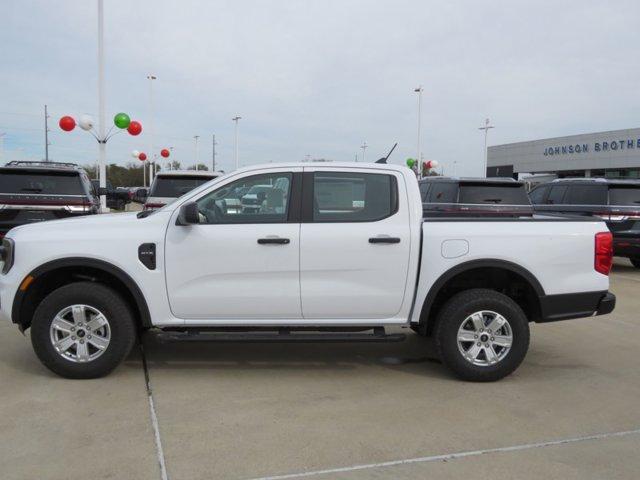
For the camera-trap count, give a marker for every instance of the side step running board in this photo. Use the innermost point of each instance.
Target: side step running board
(278, 337)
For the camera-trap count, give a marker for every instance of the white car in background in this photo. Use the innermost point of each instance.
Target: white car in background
(169, 185)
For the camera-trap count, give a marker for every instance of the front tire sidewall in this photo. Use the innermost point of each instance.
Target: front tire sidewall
(456, 310)
(105, 300)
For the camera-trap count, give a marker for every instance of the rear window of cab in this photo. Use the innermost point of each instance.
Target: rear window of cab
(42, 183)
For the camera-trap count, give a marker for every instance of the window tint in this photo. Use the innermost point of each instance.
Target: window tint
(255, 199)
(494, 194)
(443, 192)
(174, 186)
(624, 196)
(556, 195)
(353, 197)
(537, 194)
(46, 183)
(586, 195)
(424, 190)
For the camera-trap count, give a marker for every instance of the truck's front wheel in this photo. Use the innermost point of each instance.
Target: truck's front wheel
(635, 262)
(82, 330)
(482, 335)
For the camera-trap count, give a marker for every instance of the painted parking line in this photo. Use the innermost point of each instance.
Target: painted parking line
(154, 418)
(452, 456)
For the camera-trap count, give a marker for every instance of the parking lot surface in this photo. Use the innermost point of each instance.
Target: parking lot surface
(341, 411)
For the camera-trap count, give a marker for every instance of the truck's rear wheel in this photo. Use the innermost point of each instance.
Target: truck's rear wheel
(82, 330)
(635, 262)
(482, 335)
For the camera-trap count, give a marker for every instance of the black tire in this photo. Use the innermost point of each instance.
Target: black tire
(635, 262)
(95, 295)
(453, 314)
(120, 205)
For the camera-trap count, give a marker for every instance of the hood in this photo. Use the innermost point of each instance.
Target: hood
(95, 227)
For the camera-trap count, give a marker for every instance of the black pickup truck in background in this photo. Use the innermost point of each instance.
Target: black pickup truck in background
(474, 197)
(116, 198)
(617, 202)
(38, 191)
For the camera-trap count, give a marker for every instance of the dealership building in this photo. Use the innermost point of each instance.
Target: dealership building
(614, 154)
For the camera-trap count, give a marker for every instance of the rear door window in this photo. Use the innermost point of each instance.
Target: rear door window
(624, 196)
(44, 183)
(494, 194)
(175, 186)
(556, 195)
(353, 197)
(443, 192)
(586, 195)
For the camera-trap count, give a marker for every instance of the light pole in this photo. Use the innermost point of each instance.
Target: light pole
(151, 78)
(213, 165)
(419, 158)
(196, 137)
(363, 147)
(102, 142)
(235, 119)
(486, 128)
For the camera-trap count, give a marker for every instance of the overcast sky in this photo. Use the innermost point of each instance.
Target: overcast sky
(319, 77)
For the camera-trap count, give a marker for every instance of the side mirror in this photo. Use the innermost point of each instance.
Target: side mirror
(188, 214)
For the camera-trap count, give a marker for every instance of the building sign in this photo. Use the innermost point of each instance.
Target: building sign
(613, 145)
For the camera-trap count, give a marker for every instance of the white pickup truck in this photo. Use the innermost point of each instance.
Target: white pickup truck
(334, 252)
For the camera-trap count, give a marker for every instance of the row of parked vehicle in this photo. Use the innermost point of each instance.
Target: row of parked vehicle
(617, 202)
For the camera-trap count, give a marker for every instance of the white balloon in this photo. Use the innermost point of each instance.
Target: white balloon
(86, 122)
(135, 154)
(434, 163)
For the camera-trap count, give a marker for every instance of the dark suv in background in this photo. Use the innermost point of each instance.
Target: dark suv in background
(473, 197)
(37, 191)
(617, 202)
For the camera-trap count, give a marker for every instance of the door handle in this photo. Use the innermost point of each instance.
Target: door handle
(273, 241)
(384, 240)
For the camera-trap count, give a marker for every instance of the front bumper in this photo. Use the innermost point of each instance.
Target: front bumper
(576, 305)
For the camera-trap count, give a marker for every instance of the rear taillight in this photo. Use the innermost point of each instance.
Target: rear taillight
(603, 252)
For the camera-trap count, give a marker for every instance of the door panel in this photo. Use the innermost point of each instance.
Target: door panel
(243, 260)
(350, 265)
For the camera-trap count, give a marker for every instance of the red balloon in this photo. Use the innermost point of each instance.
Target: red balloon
(165, 153)
(142, 157)
(67, 123)
(134, 128)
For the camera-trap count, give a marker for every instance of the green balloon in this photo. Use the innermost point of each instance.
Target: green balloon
(122, 120)
(410, 162)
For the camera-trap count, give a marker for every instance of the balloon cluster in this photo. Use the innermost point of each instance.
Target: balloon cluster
(121, 120)
(143, 156)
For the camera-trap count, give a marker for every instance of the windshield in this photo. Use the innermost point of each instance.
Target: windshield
(624, 196)
(494, 194)
(46, 183)
(175, 186)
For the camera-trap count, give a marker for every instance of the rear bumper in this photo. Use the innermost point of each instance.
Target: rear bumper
(576, 305)
(628, 247)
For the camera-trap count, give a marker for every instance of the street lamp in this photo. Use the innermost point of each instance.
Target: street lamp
(419, 92)
(151, 78)
(486, 128)
(363, 147)
(235, 119)
(196, 137)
